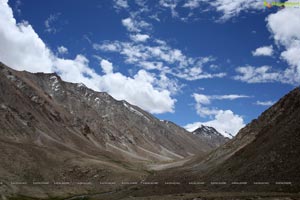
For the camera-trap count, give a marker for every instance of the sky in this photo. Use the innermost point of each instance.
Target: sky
(219, 63)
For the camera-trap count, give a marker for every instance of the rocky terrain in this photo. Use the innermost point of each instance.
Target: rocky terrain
(211, 135)
(263, 157)
(54, 131)
(63, 140)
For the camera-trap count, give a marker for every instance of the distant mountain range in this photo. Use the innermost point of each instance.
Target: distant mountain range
(64, 140)
(51, 130)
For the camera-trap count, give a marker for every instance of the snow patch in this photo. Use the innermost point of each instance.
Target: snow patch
(135, 111)
(81, 85)
(55, 86)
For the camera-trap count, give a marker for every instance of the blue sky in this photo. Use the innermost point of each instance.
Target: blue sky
(219, 63)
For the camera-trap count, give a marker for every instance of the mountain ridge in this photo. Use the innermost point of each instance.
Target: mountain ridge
(209, 133)
(59, 127)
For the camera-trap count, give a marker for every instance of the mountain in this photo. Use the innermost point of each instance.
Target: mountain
(266, 150)
(68, 139)
(261, 161)
(55, 131)
(211, 135)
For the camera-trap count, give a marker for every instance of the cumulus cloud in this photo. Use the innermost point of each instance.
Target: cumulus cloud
(106, 66)
(225, 121)
(139, 90)
(285, 28)
(263, 51)
(264, 103)
(22, 49)
(76, 71)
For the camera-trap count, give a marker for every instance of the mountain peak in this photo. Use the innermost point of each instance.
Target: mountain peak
(211, 135)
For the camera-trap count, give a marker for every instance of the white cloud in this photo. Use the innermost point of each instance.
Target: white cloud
(160, 56)
(203, 100)
(106, 66)
(226, 9)
(62, 50)
(134, 25)
(225, 122)
(263, 51)
(77, 71)
(285, 28)
(140, 37)
(22, 49)
(139, 90)
(106, 46)
(171, 4)
(229, 96)
(292, 55)
(264, 103)
(206, 99)
(192, 4)
(252, 74)
(129, 24)
(232, 8)
(121, 4)
(151, 65)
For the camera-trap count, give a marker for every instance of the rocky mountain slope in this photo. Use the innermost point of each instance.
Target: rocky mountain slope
(52, 130)
(263, 157)
(266, 151)
(213, 137)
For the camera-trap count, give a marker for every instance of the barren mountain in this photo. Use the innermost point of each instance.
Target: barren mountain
(51, 130)
(263, 157)
(69, 139)
(265, 151)
(211, 135)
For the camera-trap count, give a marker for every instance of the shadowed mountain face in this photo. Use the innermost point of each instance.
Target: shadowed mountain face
(266, 150)
(213, 137)
(57, 131)
(263, 157)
